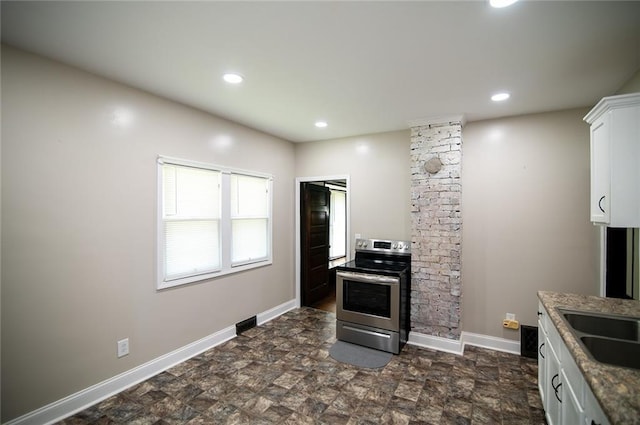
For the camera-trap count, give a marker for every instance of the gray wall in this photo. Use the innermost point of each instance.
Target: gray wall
(525, 215)
(632, 85)
(525, 192)
(378, 166)
(79, 230)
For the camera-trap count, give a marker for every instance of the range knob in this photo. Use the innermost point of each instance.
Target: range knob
(395, 246)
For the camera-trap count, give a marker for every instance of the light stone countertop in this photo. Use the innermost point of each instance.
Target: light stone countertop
(616, 388)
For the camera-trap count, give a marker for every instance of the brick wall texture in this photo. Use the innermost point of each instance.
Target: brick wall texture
(436, 228)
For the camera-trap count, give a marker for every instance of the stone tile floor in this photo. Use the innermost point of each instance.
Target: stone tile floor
(281, 372)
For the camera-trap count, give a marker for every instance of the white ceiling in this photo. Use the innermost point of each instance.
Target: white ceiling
(365, 67)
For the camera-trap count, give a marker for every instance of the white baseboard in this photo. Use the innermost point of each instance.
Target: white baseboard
(79, 401)
(491, 342)
(436, 343)
(456, 346)
(271, 314)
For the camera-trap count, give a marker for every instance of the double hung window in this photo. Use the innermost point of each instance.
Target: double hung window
(249, 218)
(211, 221)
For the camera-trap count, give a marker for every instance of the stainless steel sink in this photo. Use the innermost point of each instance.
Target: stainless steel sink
(610, 326)
(607, 338)
(613, 351)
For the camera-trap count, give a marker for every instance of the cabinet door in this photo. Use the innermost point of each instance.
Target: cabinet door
(592, 410)
(553, 387)
(542, 370)
(624, 160)
(600, 170)
(571, 409)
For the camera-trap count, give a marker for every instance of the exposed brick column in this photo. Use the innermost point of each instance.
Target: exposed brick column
(436, 229)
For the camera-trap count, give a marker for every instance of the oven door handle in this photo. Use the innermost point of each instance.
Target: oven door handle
(366, 332)
(371, 278)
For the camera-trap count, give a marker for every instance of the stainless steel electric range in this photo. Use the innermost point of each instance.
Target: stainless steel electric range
(373, 295)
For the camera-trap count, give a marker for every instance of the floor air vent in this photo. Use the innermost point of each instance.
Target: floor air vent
(246, 325)
(529, 341)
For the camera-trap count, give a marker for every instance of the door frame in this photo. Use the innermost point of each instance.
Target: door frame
(298, 224)
(602, 256)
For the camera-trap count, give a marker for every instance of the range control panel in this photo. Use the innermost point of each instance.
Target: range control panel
(382, 245)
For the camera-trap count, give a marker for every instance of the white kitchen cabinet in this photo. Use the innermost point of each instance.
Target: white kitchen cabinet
(566, 397)
(600, 171)
(548, 370)
(572, 389)
(593, 414)
(615, 161)
(553, 409)
(572, 412)
(542, 355)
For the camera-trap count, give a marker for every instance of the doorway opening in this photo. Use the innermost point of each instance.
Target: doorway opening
(322, 240)
(337, 221)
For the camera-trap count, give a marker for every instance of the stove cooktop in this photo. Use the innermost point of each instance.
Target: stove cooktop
(376, 266)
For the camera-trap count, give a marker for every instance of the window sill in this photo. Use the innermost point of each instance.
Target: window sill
(213, 275)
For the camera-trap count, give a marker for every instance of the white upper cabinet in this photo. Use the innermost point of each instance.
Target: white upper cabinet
(615, 161)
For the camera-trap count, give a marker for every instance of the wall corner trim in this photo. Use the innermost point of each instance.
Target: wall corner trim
(79, 401)
(456, 346)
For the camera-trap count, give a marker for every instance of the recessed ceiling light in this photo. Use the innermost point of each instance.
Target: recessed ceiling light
(321, 124)
(232, 78)
(499, 97)
(501, 3)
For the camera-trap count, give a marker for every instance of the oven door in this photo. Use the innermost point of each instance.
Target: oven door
(368, 299)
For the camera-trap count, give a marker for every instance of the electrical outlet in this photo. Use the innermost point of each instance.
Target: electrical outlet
(511, 324)
(510, 316)
(123, 347)
(358, 236)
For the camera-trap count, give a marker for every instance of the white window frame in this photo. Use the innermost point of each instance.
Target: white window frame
(266, 216)
(225, 224)
(333, 218)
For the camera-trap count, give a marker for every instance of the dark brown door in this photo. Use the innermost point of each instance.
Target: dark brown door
(315, 243)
